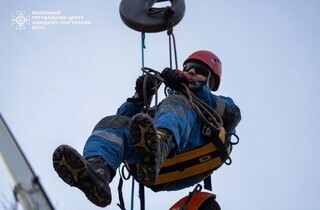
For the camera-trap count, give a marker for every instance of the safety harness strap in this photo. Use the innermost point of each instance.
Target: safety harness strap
(121, 204)
(207, 183)
(142, 196)
(200, 160)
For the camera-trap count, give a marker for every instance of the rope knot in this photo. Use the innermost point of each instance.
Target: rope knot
(168, 12)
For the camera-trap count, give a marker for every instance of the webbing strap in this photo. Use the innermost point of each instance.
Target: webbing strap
(203, 159)
(142, 197)
(197, 188)
(207, 183)
(121, 204)
(192, 154)
(188, 172)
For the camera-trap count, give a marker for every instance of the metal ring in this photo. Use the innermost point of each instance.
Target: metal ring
(122, 173)
(237, 139)
(228, 161)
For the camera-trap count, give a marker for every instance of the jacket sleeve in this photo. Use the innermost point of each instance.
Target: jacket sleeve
(224, 106)
(130, 108)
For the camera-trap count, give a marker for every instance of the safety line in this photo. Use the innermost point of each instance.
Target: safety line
(143, 46)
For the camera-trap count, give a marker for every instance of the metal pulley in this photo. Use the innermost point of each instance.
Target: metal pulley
(140, 15)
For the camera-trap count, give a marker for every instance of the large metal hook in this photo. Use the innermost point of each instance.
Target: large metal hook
(140, 15)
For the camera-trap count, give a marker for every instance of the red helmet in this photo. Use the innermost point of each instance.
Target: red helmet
(198, 201)
(213, 62)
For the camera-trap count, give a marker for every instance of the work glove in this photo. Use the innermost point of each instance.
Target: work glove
(175, 78)
(150, 86)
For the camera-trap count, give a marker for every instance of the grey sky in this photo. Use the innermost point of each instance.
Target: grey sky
(58, 82)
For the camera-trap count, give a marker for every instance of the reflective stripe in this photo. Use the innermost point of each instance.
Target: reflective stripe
(109, 136)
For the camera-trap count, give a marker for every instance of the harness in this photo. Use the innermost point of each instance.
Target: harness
(187, 164)
(199, 161)
(202, 160)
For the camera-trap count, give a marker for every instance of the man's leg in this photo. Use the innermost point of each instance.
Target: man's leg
(177, 115)
(153, 146)
(154, 139)
(104, 151)
(91, 175)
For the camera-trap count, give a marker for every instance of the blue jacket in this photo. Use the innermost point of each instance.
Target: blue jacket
(110, 138)
(177, 116)
(225, 106)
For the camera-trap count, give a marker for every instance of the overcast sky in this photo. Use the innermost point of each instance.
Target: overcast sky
(58, 80)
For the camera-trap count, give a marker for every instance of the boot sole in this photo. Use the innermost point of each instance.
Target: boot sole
(144, 140)
(72, 169)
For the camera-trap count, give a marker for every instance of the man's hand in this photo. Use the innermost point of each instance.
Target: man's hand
(175, 78)
(150, 86)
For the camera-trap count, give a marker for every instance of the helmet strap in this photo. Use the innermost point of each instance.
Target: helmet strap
(208, 79)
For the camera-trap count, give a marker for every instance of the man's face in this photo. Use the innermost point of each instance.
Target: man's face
(196, 71)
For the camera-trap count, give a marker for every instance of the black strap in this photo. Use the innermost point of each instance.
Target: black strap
(142, 197)
(197, 188)
(207, 183)
(121, 204)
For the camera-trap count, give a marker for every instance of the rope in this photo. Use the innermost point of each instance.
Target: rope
(168, 12)
(205, 113)
(175, 50)
(143, 46)
(151, 73)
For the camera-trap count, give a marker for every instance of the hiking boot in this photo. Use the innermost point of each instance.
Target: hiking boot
(153, 146)
(91, 175)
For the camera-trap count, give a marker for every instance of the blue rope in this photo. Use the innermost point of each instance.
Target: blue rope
(143, 46)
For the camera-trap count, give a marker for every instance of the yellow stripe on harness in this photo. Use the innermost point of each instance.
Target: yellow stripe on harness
(193, 170)
(189, 155)
(206, 158)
